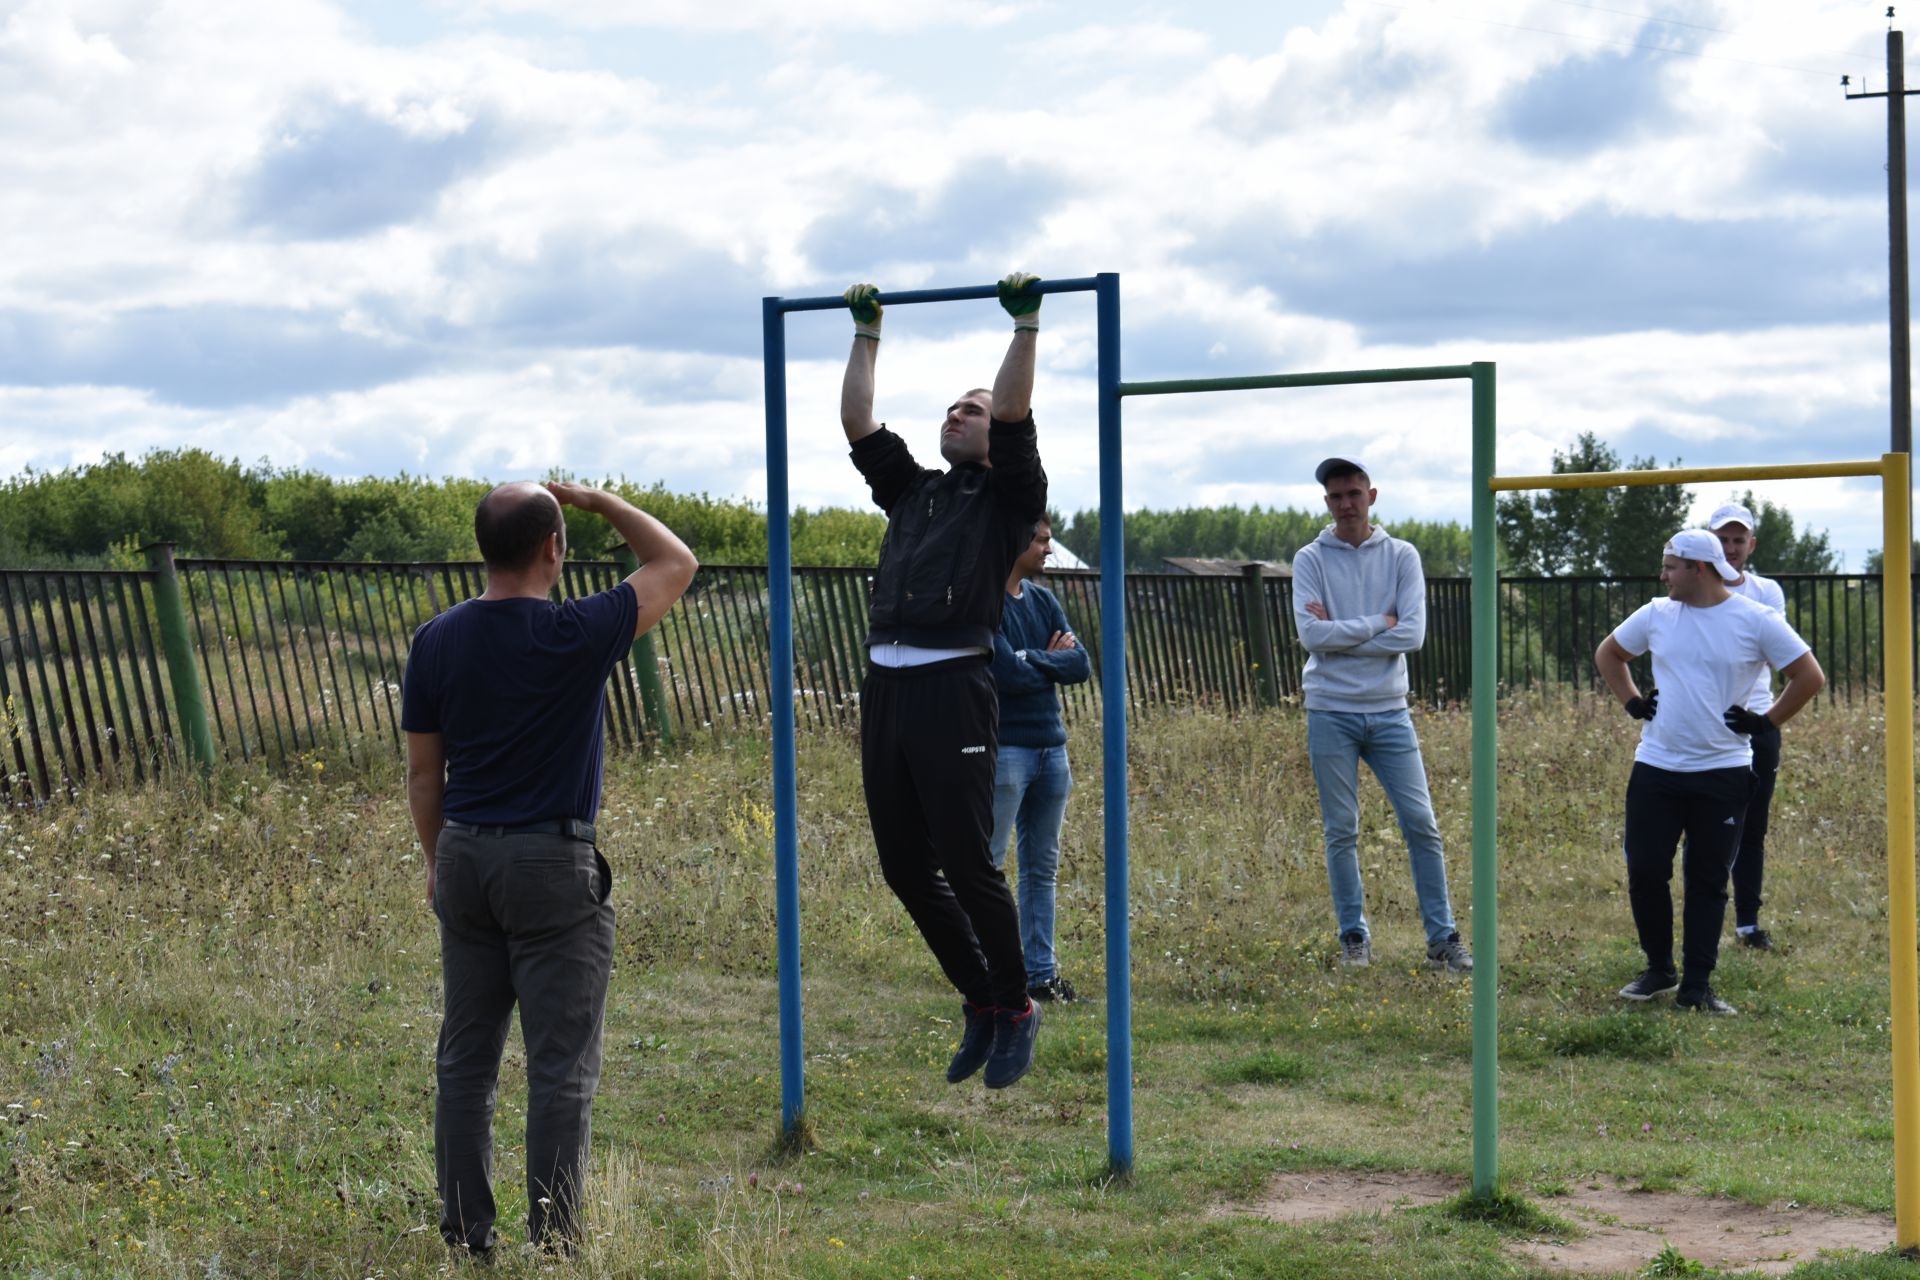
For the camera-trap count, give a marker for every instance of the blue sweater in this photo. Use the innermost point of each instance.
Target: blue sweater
(1026, 670)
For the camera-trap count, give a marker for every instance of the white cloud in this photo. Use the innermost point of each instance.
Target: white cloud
(579, 283)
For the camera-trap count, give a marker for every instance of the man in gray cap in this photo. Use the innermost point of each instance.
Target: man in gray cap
(1734, 525)
(1360, 607)
(1692, 772)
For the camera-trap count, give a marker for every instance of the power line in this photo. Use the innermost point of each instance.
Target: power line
(1618, 44)
(1696, 26)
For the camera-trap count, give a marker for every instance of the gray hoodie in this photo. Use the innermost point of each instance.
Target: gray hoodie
(1355, 662)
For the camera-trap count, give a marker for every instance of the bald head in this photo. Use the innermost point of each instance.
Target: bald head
(513, 522)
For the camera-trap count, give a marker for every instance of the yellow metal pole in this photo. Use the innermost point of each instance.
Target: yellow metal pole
(1685, 475)
(1897, 657)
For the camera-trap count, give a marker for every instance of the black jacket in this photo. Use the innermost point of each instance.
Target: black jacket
(952, 536)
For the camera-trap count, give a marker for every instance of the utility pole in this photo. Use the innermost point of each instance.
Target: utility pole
(1897, 306)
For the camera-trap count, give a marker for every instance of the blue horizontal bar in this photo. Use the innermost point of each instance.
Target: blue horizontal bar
(965, 293)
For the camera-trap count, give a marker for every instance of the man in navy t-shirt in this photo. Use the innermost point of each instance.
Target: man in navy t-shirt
(504, 706)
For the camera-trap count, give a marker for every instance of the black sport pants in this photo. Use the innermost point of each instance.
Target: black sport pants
(523, 919)
(1706, 807)
(929, 737)
(1752, 864)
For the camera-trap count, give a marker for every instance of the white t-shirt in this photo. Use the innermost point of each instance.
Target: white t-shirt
(1767, 592)
(1704, 661)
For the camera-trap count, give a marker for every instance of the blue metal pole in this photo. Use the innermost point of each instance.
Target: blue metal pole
(963, 293)
(1113, 679)
(786, 838)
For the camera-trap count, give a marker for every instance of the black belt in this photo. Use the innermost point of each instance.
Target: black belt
(572, 828)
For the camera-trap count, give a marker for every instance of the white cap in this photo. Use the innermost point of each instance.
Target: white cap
(1731, 513)
(1698, 544)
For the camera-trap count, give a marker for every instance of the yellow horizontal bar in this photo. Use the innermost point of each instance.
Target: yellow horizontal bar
(1685, 475)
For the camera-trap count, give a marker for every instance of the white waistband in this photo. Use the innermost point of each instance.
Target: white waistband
(913, 655)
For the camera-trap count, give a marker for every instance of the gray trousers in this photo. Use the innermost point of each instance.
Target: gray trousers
(526, 919)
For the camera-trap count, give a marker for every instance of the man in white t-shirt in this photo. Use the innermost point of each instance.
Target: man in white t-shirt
(1693, 770)
(1734, 525)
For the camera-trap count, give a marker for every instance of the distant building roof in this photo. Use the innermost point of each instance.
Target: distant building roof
(1214, 567)
(1061, 557)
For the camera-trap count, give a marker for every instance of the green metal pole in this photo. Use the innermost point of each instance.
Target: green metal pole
(176, 641)
(652, 698)
(1486, 934)
(1253, 596)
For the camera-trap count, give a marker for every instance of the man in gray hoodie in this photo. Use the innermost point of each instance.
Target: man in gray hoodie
(1360, 606)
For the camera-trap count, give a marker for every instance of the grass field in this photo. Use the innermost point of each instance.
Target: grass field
(217, 1029)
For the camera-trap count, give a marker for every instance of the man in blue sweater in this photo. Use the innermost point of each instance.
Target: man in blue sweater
(1033, 651)
(1360, 606)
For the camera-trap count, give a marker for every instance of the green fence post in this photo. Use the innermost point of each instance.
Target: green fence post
(1486, 937)
(645, 665)
(176, 641)
(1253, 598)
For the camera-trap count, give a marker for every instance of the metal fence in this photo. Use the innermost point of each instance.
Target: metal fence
(291, 660)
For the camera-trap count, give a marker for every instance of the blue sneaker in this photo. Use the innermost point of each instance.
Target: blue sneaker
(1013, 1035)
(976, 1042)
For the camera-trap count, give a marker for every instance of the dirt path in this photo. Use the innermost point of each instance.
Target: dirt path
(1622, 1229)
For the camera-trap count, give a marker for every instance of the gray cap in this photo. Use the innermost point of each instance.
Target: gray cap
(1339, 464)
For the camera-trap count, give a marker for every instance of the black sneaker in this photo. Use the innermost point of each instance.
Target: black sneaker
(1649, 984)
(1013, 1035)
(1757, 938)
(1705, 1000)
(976, 1042)
(1054, 989)
(1355, 951)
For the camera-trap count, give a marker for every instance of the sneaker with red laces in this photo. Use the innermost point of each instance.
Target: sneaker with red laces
(1013, 1035)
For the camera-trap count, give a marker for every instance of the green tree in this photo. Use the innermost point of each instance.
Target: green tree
(1614, 532)
(1877, 558)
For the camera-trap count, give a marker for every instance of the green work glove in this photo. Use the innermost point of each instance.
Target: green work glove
(1021, 304)
(864, 301)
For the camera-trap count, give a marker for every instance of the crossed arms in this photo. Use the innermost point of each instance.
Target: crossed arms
(1402, 629)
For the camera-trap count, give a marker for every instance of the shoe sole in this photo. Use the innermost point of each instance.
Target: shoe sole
(1028, 1064)
(1642, 999)
(1450, 968)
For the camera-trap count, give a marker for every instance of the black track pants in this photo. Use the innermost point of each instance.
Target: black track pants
(1706, 807)
(929, 737)
(1751, 867)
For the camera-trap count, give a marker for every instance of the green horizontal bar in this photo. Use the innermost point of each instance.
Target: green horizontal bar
(1685, 475)
(1268, 381)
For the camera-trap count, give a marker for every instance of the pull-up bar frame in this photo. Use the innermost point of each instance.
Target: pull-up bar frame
(1893, 471)
(1110, 391)
(786, 849)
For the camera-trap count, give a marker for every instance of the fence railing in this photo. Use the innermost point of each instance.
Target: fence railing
(294, 659)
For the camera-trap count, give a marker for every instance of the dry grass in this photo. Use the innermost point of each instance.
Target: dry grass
(220, 1012)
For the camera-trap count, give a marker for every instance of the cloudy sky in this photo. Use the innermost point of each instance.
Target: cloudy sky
(494, 237)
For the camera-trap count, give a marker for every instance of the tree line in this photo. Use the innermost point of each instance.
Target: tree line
(1559, 532)
(219, 508)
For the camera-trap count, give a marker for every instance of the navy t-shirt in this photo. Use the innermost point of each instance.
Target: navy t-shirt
(518, 689)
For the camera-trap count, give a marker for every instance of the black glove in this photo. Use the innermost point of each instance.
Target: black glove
(1751, 723)
(1642, 707)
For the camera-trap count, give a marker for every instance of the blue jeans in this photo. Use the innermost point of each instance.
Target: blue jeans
(1030, 787)
(1337, 741)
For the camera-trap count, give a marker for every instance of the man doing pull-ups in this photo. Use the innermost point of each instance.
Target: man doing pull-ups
(929, 713)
